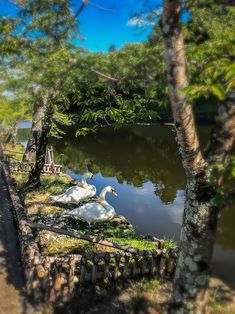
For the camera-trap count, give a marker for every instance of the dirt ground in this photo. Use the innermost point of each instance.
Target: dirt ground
(12, 297)
(143, 297)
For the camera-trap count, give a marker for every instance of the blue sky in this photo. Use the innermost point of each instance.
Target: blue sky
(101, 28)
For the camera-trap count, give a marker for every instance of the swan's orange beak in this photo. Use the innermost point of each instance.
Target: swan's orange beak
(114, 192)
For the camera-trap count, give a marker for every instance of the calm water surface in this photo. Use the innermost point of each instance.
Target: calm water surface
(142, 164)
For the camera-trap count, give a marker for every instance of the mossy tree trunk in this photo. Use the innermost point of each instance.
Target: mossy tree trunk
(223, 133)
(200, 210)
(42, 143)
(37, 119)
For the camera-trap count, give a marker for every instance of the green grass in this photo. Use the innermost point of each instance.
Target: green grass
(149, 285)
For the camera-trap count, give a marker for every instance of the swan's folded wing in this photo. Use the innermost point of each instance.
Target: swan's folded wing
(89, 211)
(81, 193)
(66, 196)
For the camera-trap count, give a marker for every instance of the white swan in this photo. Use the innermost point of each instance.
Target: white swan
(76, 194)
(96, 211)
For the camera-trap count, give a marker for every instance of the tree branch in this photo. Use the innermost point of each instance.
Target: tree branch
(106, 76)
(183, 115)
(84, 3)
(199, 3)
(100, 7)
(225, 2)
(125, 248)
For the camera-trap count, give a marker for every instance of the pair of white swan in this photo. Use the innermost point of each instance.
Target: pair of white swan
(99, 210)
(95, 211)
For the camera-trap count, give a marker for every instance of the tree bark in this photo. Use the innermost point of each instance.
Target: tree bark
(223, 133)
(200, 214)
(35, 174)
(186, 134)
(37, 119)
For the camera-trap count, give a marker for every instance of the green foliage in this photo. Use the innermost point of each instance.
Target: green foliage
(138, 89)
(232, 166)
(12, 111)
(60, 119)
(210, 46)
(9, 42)
(40, 65)
(135, 93)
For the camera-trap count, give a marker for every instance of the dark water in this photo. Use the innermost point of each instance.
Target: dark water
(142, 164)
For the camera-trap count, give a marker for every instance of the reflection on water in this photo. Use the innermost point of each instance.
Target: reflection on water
(24, 124)
(143, 165)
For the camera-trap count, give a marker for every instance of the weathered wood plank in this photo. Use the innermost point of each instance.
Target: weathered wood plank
(83, 237)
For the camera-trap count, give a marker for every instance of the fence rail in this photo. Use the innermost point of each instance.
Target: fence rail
(21, 167)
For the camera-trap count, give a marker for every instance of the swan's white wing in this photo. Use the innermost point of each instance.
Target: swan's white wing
(92, 190)
(65, 197)
(93, 212)
(73, 195)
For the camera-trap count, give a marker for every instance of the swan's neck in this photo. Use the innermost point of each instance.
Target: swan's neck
(83, 181)
(103, 193)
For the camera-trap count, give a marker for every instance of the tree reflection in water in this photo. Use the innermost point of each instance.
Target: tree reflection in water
(133, 155)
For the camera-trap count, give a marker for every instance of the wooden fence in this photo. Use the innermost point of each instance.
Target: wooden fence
(21, 167)
(59, 276)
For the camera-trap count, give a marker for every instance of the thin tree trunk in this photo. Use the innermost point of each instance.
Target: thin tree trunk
(37, 118)
(200, 215)
(176, 71)
(223, 134)
(13, 135)
(34, 175)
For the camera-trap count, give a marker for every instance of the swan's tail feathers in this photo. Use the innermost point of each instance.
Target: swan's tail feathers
(55, 198)
(58, 198)
(72, 212)
(66, 215)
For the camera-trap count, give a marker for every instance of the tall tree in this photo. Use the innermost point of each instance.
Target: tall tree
(201, 209)
(49, 25)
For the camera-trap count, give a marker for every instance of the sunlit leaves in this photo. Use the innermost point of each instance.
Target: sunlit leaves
(210, 47)
(218, 91)
(12, 111)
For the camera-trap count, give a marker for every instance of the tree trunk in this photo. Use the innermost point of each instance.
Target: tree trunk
(34, 175)
(223, 134)
(38, 116)
(200, 215)
(186, 134)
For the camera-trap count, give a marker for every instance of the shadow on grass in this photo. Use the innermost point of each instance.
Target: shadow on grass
(124, 298)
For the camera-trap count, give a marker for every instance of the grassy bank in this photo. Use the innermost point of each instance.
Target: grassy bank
(42, 209)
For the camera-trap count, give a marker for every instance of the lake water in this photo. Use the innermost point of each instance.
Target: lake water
(142, 164)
